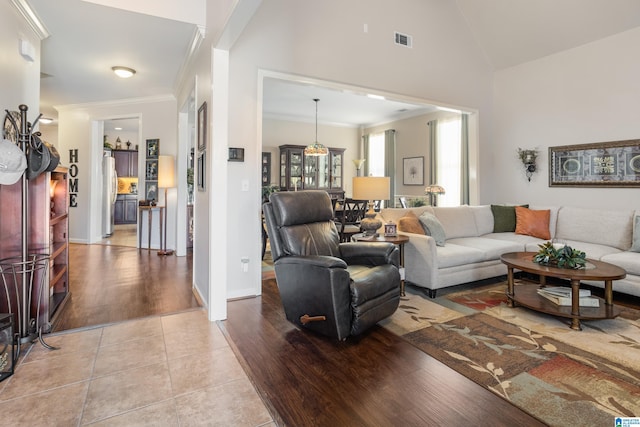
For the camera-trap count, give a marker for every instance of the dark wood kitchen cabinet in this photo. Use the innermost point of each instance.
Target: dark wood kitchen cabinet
(126, 162)
(126, 209)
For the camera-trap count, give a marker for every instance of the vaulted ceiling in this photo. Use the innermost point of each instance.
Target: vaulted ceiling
(87, 39)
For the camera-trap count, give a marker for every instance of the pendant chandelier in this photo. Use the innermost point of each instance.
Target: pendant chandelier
(316, 149)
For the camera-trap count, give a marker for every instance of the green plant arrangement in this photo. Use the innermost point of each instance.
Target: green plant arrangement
(416, 203)
(190, 176)
(267, 190)
(563, 257)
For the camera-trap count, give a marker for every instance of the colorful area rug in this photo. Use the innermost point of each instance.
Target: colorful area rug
(535, 361)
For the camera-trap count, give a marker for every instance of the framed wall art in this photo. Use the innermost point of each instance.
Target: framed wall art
(151, 191)
(202, 164)
(153, 148)
(266, 168)
(602, 164)
(413, 170)
(202, 127)
(151, 170)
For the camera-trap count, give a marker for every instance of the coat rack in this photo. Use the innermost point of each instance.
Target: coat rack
(22, 270)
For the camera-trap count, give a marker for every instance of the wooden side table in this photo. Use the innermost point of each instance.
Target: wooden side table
(398, 240)
(149, 210)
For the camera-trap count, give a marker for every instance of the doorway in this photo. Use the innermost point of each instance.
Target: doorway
(119, 214)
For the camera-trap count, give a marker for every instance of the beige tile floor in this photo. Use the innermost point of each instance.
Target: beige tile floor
(173, 370)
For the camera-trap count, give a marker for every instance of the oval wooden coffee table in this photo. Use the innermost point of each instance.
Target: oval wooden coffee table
(527, 295)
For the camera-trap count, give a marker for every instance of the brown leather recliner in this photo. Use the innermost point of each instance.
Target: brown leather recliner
(336, 289)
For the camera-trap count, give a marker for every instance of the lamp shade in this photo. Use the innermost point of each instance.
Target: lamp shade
(166, 172)
(371, 187)
(434, 189)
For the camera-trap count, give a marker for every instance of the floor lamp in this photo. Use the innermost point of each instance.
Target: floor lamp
(166, 180)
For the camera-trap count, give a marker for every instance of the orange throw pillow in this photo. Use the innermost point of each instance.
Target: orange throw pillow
(533, 223)
(410, 223)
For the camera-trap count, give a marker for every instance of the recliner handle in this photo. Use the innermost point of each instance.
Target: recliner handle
(306, 319)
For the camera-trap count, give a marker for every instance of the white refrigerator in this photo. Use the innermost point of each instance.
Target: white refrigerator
(109, 192)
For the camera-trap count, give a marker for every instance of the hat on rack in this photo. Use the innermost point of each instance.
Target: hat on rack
(54, 155)
(38, 157)
(12, 162)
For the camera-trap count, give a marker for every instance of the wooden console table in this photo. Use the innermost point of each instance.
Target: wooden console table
(149, 210)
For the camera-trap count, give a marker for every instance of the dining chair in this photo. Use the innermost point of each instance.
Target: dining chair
(348, 216)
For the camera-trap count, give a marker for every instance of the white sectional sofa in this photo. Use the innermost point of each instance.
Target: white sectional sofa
(472, 250)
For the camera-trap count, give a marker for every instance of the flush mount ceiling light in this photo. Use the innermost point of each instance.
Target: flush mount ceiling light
(46, 120)
(123, 72)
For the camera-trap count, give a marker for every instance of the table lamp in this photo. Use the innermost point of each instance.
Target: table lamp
(433, 190)
(166, 180)
(371, 188)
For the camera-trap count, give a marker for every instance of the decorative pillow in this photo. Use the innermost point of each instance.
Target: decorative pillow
(533, 223)
(504, 218)
(410, 223)
(635, 245)
(433, 228)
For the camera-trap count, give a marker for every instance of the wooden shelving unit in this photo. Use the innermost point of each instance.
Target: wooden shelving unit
(34, 236)
(49, 234)
(59, 243)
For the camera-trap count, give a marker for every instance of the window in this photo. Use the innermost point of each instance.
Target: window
(376, 154)
(449, 140)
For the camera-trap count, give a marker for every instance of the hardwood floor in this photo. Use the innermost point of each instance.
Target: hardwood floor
(374, 380)
(114, 283)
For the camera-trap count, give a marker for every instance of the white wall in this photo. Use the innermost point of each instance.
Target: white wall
(20, 82)
(293, 36)
(583, 95)
(281, 132)
(158, 119)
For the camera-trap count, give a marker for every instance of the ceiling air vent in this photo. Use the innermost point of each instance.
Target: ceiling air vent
(403, 39)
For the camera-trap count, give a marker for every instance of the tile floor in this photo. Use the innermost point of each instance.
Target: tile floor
(172, 370)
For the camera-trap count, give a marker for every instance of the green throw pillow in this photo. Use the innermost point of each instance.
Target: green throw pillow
(433, 227)
(504, 218)
(635, 246)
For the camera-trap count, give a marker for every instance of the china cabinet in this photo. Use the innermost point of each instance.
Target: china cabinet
(300, 172)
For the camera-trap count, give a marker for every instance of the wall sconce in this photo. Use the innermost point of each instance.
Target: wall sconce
(528, 159)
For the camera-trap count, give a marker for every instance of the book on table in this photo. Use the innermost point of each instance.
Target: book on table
(562, 291)
(585, 301)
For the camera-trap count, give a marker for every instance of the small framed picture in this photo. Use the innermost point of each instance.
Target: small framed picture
(413, 171)
(202, 127)
(151, 170)
(202, 164)
(390, 230)
(151, 190)
(152, 148)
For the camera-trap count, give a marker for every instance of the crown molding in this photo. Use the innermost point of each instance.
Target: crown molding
(196, 40)
(117, 102)
(31, 18)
